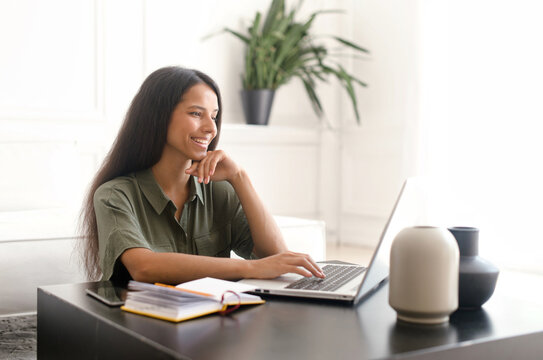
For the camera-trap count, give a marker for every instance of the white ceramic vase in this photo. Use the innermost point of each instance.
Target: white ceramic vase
(424, 275)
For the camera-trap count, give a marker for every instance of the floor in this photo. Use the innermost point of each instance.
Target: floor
(18, 337)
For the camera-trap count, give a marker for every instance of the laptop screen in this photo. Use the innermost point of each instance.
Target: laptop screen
(406, 212)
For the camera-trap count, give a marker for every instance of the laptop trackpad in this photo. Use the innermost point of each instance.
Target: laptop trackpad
(277, 283)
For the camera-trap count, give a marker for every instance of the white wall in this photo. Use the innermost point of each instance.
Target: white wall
(64, 93)
(377, 156)
(441, 73)
(482, 120)
(68, 71)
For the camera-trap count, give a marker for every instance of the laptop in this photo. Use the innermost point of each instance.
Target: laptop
(344, 282)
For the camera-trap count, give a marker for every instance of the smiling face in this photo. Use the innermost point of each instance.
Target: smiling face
(192, 125)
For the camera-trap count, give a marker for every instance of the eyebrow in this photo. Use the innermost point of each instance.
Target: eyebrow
(201, 108)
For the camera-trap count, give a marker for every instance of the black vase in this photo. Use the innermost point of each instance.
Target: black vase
(257, 105)
(478, 276)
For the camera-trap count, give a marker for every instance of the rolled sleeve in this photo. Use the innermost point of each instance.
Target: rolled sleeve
(118, 228)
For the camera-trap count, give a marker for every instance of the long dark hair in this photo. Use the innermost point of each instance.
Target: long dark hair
(139, 143)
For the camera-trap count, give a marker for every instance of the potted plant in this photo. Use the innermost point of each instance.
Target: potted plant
(279, 48)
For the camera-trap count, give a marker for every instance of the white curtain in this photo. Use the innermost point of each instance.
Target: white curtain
(481, 116)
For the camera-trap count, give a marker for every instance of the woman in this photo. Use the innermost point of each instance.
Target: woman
(167, 207)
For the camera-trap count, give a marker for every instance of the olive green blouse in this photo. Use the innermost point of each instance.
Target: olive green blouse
(133, 211)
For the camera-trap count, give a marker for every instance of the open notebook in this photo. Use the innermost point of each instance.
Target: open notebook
(188, 300)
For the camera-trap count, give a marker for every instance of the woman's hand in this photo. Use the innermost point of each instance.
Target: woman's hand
(286, 262)
(267, 238)
(215, 166)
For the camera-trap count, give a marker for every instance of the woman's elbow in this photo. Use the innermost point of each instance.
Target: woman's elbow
(140, 265)
(142, 274)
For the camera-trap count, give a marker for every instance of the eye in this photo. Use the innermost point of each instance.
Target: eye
(196, 113)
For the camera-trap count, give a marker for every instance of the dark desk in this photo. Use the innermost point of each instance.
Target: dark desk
(73, 325)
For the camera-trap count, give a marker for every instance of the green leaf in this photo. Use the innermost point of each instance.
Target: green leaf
(240, 36)
(350, 90)
(315, 102)
(351, 44)
(359, 82)
(278, 48)
(330, 11)
(253, 30)
(275, 13)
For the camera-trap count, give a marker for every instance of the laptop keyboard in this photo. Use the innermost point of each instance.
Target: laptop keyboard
(336, 276)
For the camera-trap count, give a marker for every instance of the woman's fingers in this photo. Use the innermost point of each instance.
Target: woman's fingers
(315, 266)
(201, 170)
(308, 263)
(206, 170)
(196, 169)
(300, 271)
(216, 166)
(193, 167)
(215, 163)
(211, 164)
(290, 262)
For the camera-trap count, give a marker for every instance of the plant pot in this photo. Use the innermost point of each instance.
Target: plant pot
(257, 105)
(478, 277)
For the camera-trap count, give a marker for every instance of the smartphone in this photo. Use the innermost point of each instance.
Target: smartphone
(108, 293)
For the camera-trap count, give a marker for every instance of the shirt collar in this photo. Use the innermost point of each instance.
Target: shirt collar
(156, 196)
(196, 190)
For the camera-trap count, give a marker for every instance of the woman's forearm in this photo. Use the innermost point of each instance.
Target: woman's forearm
(174, 268)
(267, 237)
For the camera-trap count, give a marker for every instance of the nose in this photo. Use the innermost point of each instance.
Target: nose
(209, 125)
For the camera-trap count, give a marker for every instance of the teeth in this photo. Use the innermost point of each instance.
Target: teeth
(200, 141)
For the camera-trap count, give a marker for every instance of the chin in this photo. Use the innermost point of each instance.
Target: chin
(198, 157)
